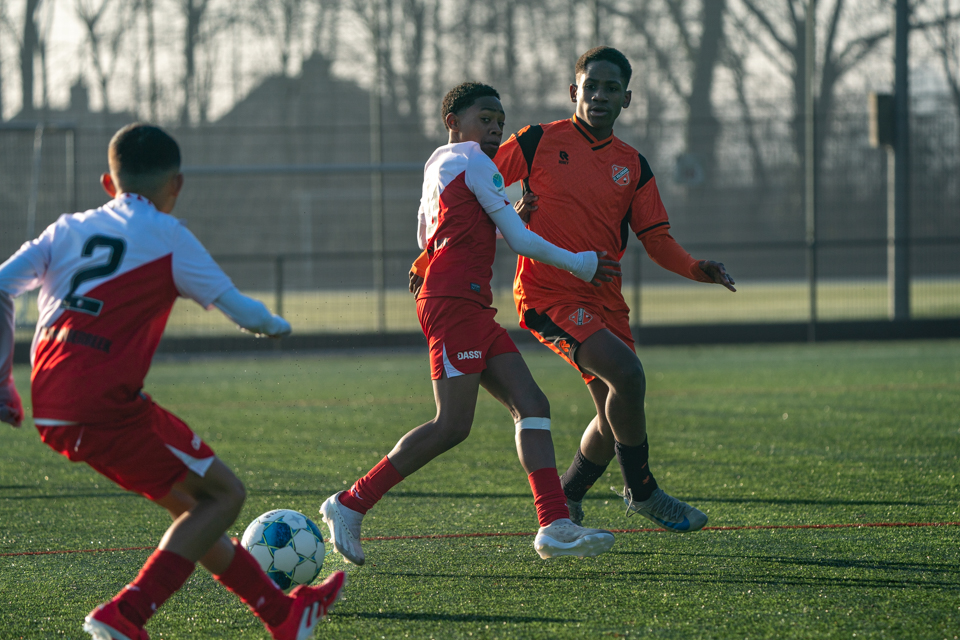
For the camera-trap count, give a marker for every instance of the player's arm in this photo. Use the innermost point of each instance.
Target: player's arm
(648, 219)
(251, 315)
(419, 267)
(11, 408)
(21, 273)
(667, 253)
(200, 278)
(417, 272)
(586, 265)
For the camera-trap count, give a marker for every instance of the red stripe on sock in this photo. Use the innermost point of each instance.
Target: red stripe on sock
(161, 576)
(548, 495)
(368, 490)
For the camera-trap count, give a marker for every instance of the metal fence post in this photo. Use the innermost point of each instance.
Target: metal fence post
(278, 286)
(810, 166)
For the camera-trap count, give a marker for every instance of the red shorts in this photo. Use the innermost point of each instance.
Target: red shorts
(148, 454)
(565, 326)
(462, 335)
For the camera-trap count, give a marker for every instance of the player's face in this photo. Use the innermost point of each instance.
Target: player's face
(482, 122)
(600, 96)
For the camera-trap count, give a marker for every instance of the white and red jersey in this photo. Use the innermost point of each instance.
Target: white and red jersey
(108, 279)
(460, 186)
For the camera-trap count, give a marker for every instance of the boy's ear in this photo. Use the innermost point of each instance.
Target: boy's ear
(176, 183)
(452, 122)
(106, 181)
(573, 93)
(627, 95)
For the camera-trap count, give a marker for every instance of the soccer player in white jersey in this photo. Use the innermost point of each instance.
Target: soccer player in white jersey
(462, 204)
(108, 279)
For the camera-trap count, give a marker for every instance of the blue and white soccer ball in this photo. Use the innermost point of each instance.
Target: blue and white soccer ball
(288, 546)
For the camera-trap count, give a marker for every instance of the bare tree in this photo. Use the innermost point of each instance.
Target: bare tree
(3, 24)
(691, 74)
(153, 96)
(105, 37)
(943, 35)
(777, 29)
(29, 43)
(280, 21)
(193, 12)
(397, 32)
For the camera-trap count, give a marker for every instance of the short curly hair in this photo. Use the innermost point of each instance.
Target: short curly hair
(607, 54)
(463, 96)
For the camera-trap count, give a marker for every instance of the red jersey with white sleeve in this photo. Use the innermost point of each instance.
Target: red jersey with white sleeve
(461, 185)
(108, 279)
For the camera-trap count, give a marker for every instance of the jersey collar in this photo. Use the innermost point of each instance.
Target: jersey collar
(595, 144)
(130, 197)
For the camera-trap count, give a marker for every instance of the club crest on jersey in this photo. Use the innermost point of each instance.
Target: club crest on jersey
(580, 317)
(498, 181)
(621, 175)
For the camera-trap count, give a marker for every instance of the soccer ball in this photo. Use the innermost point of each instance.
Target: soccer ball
(288, 546)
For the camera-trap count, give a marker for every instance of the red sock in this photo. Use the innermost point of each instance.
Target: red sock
(162, 575)
(368, 490)
(245, 578)
(548, 495)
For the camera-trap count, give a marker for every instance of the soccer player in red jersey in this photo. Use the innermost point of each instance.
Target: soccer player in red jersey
(463, 203)
(108, 279)
(587, 188)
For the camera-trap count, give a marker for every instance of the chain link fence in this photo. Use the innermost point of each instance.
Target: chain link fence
(300, 219)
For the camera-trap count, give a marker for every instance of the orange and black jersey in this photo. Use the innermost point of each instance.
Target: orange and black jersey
(592, 194)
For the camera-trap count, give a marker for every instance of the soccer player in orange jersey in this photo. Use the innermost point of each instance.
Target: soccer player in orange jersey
(463, 203)
(587, 188)
(108, 279)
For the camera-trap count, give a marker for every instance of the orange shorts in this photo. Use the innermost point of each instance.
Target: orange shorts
(462, 335)
(564, 327)
(147, 454)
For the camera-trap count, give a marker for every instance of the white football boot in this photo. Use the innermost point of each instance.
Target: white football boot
(344, 524)
(665, 510)
(564, 538)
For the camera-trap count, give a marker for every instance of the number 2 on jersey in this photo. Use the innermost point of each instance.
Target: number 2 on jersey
(84, 304)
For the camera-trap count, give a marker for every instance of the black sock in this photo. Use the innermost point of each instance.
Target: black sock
(636, 472)
(580, 477)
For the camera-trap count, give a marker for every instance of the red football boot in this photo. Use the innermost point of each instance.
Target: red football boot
(107, 623)
(310, 605)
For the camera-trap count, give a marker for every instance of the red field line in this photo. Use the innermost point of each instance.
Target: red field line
(440, 536)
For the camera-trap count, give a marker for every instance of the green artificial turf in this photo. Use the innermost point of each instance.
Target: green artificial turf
(754, 435)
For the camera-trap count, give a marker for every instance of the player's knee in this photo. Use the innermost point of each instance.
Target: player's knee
(631, 380)
(534, 403)
(453, 432)
(231, 494)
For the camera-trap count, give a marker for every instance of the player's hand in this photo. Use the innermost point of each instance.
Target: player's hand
(607, 270)
(526, 205)
(716, 272)
(11, 409)
(415, 282)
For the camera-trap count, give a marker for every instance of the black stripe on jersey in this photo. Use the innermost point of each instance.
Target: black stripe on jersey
(529, 140)
(646, 173)
(625, 229)
(601, 146)
(652, 227)
(586, 135)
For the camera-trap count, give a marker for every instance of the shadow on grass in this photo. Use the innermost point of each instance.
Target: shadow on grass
(447, 617)
(90, 494)
(832, 563)
(703, 577)
(806, 501)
